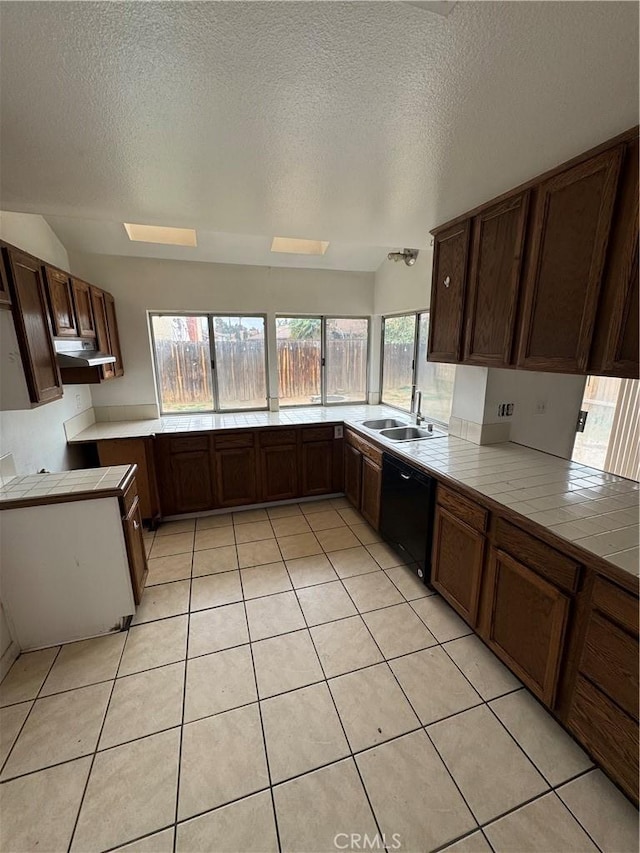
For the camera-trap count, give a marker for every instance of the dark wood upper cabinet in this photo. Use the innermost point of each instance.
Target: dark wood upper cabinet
(616, 342)
(84, 309)
(114, 337)
(570, 224)
(63, 318)
(494, 282)
(33, 329)
(5, 293)
(450, 253)
(99, 310)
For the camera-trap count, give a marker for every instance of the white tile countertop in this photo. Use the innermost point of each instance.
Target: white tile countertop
(594, 510)
(62, 483)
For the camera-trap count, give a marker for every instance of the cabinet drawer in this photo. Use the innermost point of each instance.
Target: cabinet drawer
(234, 440)
(464, 509)
(188, 443)
(610, 660)
(539, 556)
(364, 447)
(617, 604)
(272, 438)
(129, 496)
(608, 734)
(324, 433)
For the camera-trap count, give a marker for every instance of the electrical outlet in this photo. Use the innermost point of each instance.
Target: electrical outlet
(78, 402)
(337, 431)
(505, 410)
(541, 407)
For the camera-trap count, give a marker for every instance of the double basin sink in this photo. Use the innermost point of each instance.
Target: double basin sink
(396, 430)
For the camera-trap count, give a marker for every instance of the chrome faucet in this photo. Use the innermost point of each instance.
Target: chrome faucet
(417, 406)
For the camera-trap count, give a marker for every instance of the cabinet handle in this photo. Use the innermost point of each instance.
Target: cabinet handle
(447, 281)
(405, 476)
(135, 524)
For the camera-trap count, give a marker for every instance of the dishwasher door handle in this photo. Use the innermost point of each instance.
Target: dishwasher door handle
(405, 476)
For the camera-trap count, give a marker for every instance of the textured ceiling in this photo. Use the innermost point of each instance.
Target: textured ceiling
(364, 124)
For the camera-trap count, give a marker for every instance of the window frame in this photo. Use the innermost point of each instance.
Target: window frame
(209, 315)
(323, 357)
(414, 369)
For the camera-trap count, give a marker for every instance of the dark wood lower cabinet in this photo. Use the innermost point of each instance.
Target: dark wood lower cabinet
(317, 468)
(185, 476)
(135, 451)
(132, 524)
(353, 475)
(456, 567)
(526, 622)
(279, 472)
(371, 491)
(236, 482)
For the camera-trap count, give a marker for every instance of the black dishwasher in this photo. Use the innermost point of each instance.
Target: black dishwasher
(406, 513)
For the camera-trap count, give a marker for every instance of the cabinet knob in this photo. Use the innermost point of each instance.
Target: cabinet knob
(135, 524)
(447, 281)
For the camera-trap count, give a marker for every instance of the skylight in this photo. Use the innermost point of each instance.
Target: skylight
(161, 234)
(294, 246)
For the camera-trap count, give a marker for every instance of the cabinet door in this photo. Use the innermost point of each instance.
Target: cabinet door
(33, 330)
(84, 310)
(192, 482)
(236, 482)
(456, 569)
(279, 468)
(616, 342)
(451, 248)
(494, 282)
(99, 309)
(569, 232)
(353, 475)
(526, 624)
(61, 302)
(136, 555)
(371, 492)
(5, 293)
(317, 468)
(114, 337)
(135, 451)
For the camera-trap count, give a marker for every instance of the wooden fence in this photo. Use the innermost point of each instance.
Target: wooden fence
(185, 372)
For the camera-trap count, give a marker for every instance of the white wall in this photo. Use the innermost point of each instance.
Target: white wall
(36, 437)
(401, 288)
(552, 431)
(142, 284)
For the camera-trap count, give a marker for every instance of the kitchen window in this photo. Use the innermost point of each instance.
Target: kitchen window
(404, 364)
(210, 362)
(322, 360)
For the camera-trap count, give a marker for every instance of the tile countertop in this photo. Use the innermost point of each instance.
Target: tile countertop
(594, 510)
(61, 483)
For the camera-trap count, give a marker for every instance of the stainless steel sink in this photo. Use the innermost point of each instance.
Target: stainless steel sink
(410, 433)
(384, 423)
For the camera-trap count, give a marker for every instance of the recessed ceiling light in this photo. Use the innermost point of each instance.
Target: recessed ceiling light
(293, 246)
(161, 234)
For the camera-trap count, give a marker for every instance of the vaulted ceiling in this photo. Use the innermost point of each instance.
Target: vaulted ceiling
(364, 124)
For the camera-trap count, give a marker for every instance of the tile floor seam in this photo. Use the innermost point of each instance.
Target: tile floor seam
(33, 705)
(344, 731)
(184, 703)
(582, 827)
(95, 751)
(417, 716)
(264, 739)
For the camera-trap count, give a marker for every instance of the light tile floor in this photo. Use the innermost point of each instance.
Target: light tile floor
(288, 684)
